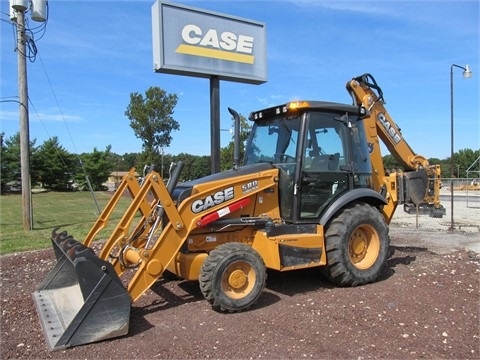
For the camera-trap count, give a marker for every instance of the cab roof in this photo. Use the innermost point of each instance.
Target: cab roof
(294, 106)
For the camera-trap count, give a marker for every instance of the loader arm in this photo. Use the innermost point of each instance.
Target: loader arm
(379, 124)
(130, 184)
(149, 263)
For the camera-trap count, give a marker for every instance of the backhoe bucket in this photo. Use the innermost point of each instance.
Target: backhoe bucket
(82, 300)
(416, 185)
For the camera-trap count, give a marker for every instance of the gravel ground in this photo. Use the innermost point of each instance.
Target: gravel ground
(425, 305)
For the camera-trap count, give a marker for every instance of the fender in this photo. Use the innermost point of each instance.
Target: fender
(366, 195)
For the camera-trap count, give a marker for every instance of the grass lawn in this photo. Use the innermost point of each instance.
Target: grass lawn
(74, 212)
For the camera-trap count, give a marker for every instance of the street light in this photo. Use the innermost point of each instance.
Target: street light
(467, 73)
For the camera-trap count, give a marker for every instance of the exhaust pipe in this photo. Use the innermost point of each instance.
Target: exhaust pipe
(236, 138)
(82, 299)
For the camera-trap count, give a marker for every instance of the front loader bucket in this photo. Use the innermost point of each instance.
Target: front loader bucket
(82, 300)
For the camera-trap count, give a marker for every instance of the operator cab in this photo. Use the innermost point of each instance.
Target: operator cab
(319, 149)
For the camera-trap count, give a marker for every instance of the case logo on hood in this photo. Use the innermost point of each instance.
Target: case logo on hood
(211, 44)
(212, 200)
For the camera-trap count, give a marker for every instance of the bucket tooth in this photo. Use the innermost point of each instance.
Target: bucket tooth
(82, 299)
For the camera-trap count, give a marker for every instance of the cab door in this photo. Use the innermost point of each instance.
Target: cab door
(323, 175)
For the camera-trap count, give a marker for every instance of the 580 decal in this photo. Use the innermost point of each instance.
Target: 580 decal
(250, 186)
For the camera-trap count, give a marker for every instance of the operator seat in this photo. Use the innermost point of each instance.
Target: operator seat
(327, 162)
(333, 161)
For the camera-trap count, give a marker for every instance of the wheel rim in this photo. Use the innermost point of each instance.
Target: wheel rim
(364, 246)
(238, 280)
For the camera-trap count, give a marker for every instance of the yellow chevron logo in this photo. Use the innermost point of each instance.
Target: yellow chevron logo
(215, 54)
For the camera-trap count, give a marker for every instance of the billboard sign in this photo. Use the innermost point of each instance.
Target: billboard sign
(196, 42)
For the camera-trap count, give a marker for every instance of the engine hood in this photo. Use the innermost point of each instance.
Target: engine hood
(184, 190)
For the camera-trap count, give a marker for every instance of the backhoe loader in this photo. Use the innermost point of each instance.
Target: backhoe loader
(312, 192)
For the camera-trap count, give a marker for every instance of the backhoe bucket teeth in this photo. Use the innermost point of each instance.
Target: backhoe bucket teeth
(82, 300)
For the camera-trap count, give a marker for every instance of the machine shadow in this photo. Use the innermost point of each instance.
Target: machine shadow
(399, 255)
(308, 280)
(295, 282)
(178, 292)
(164, 298)
(172, 292)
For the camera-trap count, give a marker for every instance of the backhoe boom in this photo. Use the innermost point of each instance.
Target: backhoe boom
(420, 180)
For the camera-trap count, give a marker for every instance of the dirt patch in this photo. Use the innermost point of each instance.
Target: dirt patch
(425, 305)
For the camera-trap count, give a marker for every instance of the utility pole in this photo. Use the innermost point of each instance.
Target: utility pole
(39, 13)
(24, 124)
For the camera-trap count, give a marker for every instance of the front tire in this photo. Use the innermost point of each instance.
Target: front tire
(357, 245)
(232, 277)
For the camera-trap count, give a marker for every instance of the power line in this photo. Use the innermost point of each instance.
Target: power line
(50, 137)
(66, 125)
(58, 104)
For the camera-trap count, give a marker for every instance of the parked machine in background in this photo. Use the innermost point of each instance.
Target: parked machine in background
(312, 192)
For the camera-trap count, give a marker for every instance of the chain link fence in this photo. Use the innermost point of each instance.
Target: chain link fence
(463, 216)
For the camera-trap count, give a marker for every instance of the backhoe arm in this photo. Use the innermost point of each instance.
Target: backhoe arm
(362, 89)
(417, 188)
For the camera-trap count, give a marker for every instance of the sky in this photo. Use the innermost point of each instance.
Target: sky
(93, 54)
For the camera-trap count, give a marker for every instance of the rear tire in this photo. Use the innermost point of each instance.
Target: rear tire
(357, 245)
(232, 277)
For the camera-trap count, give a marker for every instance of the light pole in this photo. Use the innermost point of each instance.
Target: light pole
(467, 73)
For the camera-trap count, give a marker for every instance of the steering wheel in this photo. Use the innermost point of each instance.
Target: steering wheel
(284, 158)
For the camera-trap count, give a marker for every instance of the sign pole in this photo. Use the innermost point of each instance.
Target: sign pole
(215, 123)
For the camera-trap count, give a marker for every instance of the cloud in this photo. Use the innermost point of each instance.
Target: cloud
(56, 117)
(8, 115)
(271, 100)
(366, 7)
(428, 12)
(34, 116)
(101, 136)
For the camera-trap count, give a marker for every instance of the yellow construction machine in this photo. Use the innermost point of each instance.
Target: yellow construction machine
(312, 192)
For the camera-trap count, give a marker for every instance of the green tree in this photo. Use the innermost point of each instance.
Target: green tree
(463, 160)
(227, 153)
(53, 165)
(434, 161)
(97, 166)
(130, 160)
(390, 163)
(194, 167)
(9, 160)
(151, 120)
(200, 167)
(187, 160)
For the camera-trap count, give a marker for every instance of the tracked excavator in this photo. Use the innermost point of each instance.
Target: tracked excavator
(312, 192)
